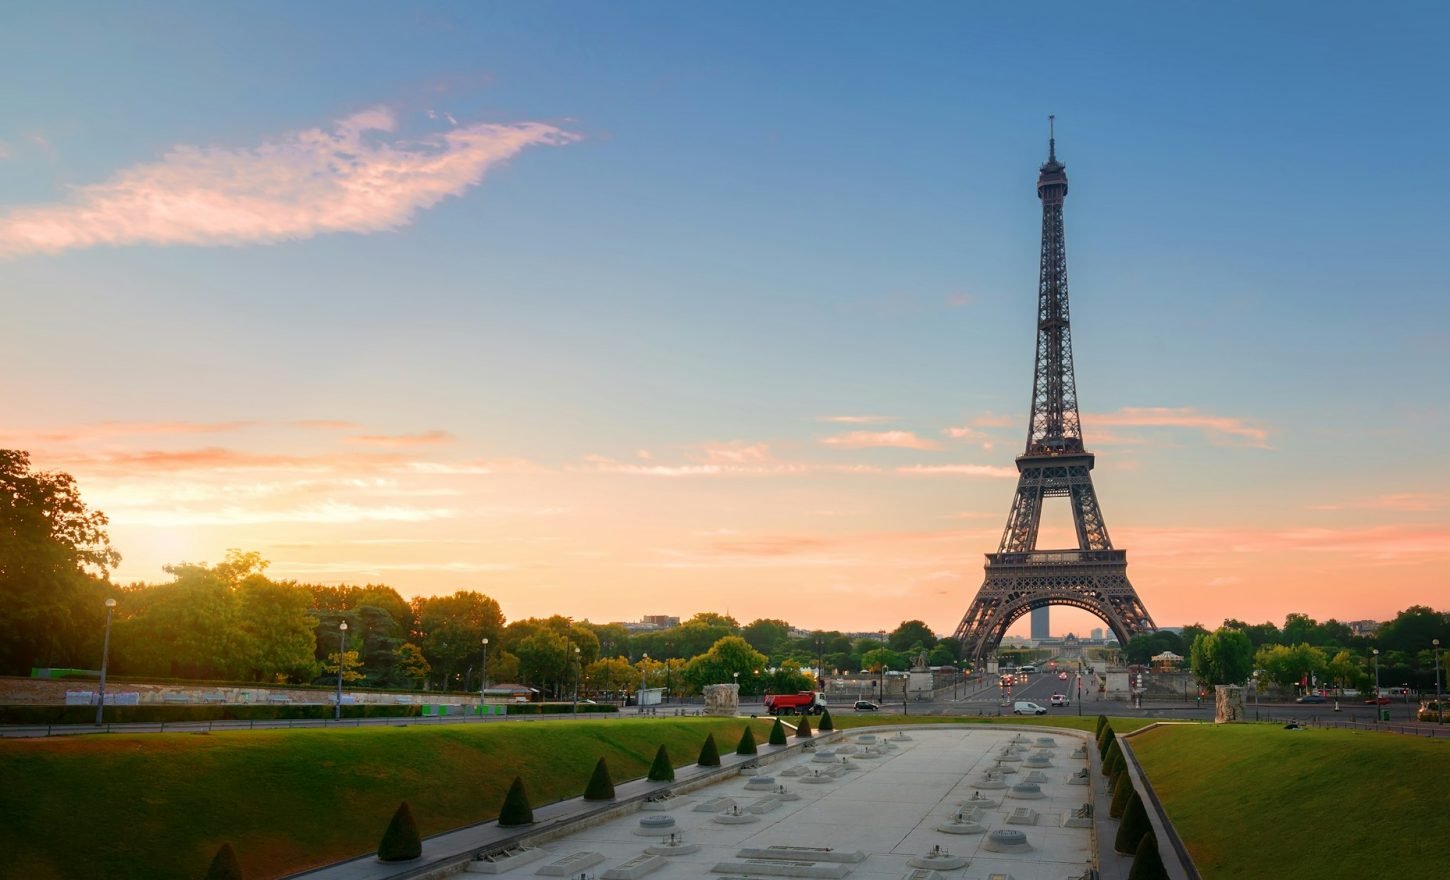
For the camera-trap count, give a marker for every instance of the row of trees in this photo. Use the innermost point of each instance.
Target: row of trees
(1326, 655)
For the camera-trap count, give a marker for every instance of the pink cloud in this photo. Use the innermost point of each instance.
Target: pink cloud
(1400, 502)
(1218, 429)
(856, 420)
(426, 438)
(959, 300)
(325, 424)
(959, 470)
(347, 179)
(735, 453)
(880, 439)
(993, 420)
(104, 430)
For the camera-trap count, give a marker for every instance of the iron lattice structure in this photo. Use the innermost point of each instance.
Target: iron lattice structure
(1093, 577)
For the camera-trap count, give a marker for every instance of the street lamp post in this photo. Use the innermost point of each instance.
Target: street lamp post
(105, 655)
(643, 668)
(341, 649)
(483, 674)
(1376, 653)
(1439, 703)
(578, 673)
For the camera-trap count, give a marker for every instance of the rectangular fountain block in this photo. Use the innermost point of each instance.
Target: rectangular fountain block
(921, 874)
(635, 868)
(1022, 816)
(1000, 876)
(505, 860)
(803, 854)
(1074, 819)
(764, 805)
(714, 805)
(571, 864)
(792, 771)
(782, 868)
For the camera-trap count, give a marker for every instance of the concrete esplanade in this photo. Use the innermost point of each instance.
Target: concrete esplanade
(877, 803)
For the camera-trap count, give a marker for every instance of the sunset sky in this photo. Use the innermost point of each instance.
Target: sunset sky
(652, 308)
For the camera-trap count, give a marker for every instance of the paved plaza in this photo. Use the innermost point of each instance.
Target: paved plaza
(878, 802)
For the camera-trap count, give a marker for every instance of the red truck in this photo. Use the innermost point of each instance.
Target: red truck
(803, 703)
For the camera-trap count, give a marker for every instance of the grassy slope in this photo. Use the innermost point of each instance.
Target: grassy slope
(1256, 800)
(159, 805)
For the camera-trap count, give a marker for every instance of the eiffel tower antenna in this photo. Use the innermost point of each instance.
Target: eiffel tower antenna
(1020, 577)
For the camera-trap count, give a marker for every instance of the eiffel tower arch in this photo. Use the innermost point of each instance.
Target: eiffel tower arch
(1020, 577)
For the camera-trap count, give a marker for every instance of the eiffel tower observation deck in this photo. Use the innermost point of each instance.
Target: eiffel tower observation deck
(1020, 577)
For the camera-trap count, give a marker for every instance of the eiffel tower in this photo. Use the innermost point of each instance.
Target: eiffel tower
(1020, 577)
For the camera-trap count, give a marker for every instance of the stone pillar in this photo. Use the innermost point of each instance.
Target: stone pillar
(1228, 703)
(722, 699)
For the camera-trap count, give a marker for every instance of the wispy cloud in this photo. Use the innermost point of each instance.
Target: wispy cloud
(350, 177)
(856, 420)
(1218, 429)
(1401, 502)
(959, 470)
(108, 430)
(880, 439)
(990, 419)
(426, 438)
(959, 300)
(325, 425)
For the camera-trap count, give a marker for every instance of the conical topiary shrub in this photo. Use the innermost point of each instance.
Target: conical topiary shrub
(600, 787)
(1108, 739)
(224, 865)
(1147, 864)
(1122, 790)
(1102, 722)
(804, 730)
(1112, 764)
(709, 753)
(516, 809)
(1133, 827)
(746, 746)
(777, 733)
(1111, 754)
(401, 841)
(1104, 734)
(826, 723)
(662, 770)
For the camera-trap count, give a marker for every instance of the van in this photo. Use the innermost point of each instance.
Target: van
(1029, 668)
(1022, 707)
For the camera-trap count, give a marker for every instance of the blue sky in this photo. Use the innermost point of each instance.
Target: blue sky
(743, 221)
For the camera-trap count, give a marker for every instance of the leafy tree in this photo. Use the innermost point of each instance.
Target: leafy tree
(401, 842)
(544, 657)
(1286, 666)
(601, 786)
(351, 667)
(1299, 629)
(1259, 634)
(942, 654)
(767, 636)
(224, 865)
(277, 630)
(611, 675)
(729, 655)
(55, 557)
(1224, 656)
(516, 809)
(191, 627)
(909, 634)
(614, 639)
(452, 629)
(410, 666)
(1144, 646)
(880, 659)
(1412, 630)
(661, 770)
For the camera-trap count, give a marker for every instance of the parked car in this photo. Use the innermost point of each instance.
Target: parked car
(861, 706)
(1057, 700)
(1311, 698)
(1372, 701)
(1023, 707)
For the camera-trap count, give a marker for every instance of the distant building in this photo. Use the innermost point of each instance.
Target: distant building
(1040, 626)
(652, 622)
(1097, 634)
(1358, 627)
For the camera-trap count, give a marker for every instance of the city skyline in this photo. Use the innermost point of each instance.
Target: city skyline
(641, 310)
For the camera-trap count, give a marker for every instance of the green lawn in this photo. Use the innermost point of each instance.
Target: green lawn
(1254, 800)
(158, 805)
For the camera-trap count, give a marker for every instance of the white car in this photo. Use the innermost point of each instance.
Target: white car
(1022, 707)
(1057, 700)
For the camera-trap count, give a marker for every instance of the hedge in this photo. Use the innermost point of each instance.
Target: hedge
(401, 842)
(224, 865)
(1147, 863)
(1134, 826)
(516, 809)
